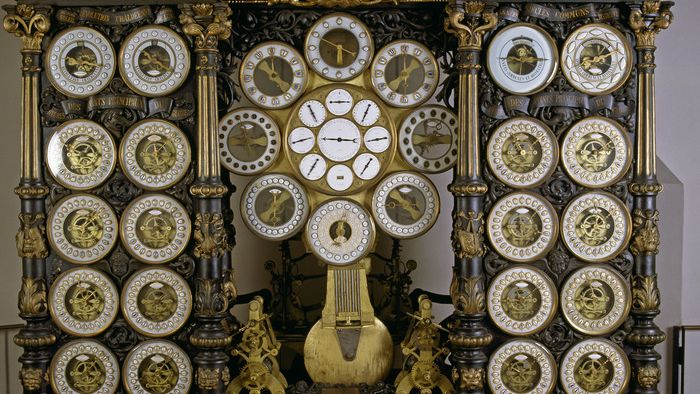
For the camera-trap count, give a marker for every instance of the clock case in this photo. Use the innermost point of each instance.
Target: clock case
(205, 192)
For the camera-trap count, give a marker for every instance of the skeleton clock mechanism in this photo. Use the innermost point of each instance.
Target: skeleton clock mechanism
(323, 126)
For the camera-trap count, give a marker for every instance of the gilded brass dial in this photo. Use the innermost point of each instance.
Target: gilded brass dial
(522, 366)
(249, 141)
(428, 139)
(595, 365)
(157, 366)
(84, 366)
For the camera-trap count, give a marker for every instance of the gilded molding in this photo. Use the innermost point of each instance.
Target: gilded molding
(646, 239)
(330, 3)
(29, 24)
(33, 378)
(645, 188)
(645, 294)
(31, 236)
(210, 343)
(32, 296)
(646, 340)
(470, 342)
(466, 189)
(648, 21)
(648, 377)
(468, 379)
(468, 294)
(34, 342)
(471, 34)
(206, 23)
(208, 191)
(209, 235)
(27, 192)
(468, 234)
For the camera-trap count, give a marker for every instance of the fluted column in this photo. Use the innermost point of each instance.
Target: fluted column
(646, 20)
(30, 24)
(214, 289)
(468, 21)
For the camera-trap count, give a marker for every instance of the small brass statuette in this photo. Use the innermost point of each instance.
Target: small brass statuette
(31, 235)
(258, 348)
(423, 354)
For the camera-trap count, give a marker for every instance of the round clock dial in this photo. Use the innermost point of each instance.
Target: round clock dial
(522, 152)
(82, 228)
(522, 226)
(80, 62)
(157, 363)
(274, 206)
(155, 228)
(155, 154)
(405, 205)
(522, 366)
(595, 300)
(522, 300)
(405, 73)
(339, 47)
(81, 154)
(594, 365)
(273, 75)
(428, 139)
(155, 61)
(83, 301)
(596, 152)
(339, 154)
(522, 58)
(340, 232)
(596, 226)
(596, 59)
(84, 366)
(249, 141)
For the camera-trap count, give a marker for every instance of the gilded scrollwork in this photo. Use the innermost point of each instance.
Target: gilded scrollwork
(645, 293)
(648, 21)
(29, 24)
(32, 296)
(468, 294)
(469, 35)
(645, 240)
(206, 23)
(31, 236)
(210, 235)
(468, 379)
(468, 234)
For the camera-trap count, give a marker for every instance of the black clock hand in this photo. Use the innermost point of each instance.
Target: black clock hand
(378, 139)
(339, 139)
(313, 115)
(367, 165)
(312, 167)
(366, 111)
(301, 140)
(338, 102)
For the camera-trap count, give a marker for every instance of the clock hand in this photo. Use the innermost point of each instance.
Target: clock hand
(403, 76)
(312, 167)
(378, 139)
(339, 46)
(302, 140)
(311, 110)
(367, 165)
(339, 139)
(431, 139)
(339, 102)
(274, 77)
(404, 204)
(366, 111)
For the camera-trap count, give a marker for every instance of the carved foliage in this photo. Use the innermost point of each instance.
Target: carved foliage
(645, 294)
(32, 378)
(646, 232)
(207, 23)
(28, 24)
(209, 300)
(31, 236)
(468, 294)
(210, 235)
(470, 33)
(648, 21)
(648, 377)
(32, 296)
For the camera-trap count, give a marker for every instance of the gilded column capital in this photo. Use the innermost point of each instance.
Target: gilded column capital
(207, 23)
(647, 20)
(28, 23)
(469, 23)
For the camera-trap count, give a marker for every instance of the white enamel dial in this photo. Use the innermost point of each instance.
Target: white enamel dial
(377, 139)
(366, 166)
(339, 139)
(366, 113)
(312, 113)
(339, 102)
(312, 167)
(301, 140)
(405, 73)
(340, 177)
(339, 47)
(340, 232)
(273, 75)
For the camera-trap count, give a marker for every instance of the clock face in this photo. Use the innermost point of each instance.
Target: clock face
(594, 365)
(522, 226)
(522, 58)
(405, 73)
(157, 363)
(273, 75)
(522, 366)
(596, 226)
(596, 59)
(340, 232)
(155, 61)
(340, 139)
(596, 152)
(339, 47)
(522, 152)
(249, 141)
(274, 206)
(428, 139)
(80, 62)
(155, 154)
(84, 366)
(405, 205)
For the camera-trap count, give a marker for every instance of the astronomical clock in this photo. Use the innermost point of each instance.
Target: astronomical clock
(321, 126)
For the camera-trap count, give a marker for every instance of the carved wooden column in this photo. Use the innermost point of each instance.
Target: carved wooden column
(30, 24)
(646, 20)
(468, 21)
(207, 24)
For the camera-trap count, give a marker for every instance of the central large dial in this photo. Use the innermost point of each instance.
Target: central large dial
(340, 139)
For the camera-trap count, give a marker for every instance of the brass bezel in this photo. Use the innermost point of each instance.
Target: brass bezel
(223, 141)
(546, 353)
(302, 62)
(555, 152)
(552, 46)
(628, 152)
(361, 24)
(47, 62)
(434, 64)
(600, 341)
(54, 361)
(454, 132)
(625, 43)
(163, 342)
(176, 130)
(185, 72)
(628, 220)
